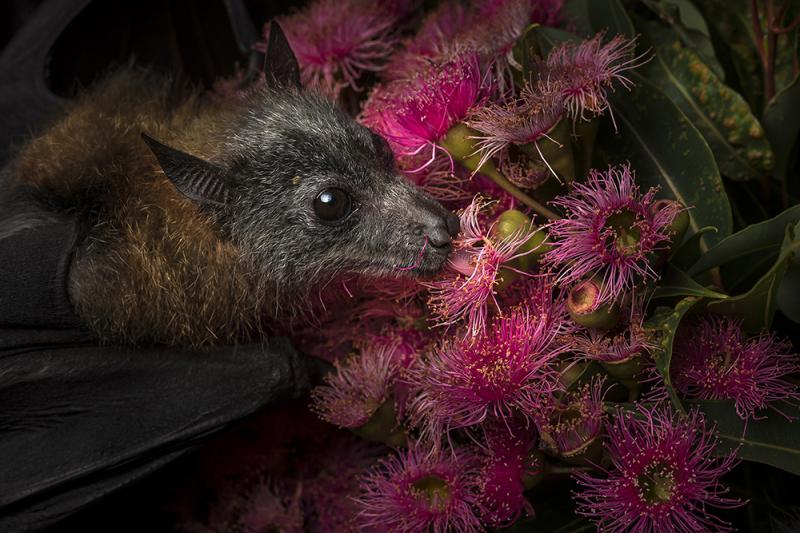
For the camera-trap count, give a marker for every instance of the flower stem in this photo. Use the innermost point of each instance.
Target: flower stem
(514, 191)
(459, 143)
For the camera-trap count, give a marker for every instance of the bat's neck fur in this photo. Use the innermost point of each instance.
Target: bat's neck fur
(151, 267)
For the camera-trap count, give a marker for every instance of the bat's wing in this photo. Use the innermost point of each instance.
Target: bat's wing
(78, 420)
(26, 101)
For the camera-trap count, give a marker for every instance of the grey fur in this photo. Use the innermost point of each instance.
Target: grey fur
(286, 148)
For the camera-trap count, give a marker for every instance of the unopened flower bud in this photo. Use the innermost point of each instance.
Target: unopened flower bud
(571, 426)
(582, 305)
(680, 222)
(626, 370)
(383, 426)
(512, 222)
(460, 144)
(554, 150)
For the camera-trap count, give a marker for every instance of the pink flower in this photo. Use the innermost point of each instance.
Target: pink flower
(505, 371)
(435, 39)
(610, 232)
(713, 360)
(664, 476)
(336, 483)
(490, 27)
(414, 114)
(253, 507)
(524, 120)
(465, 291)
(267, 510)
(585, 71)
(336, 42)
(503, 460)
(625, 342)
(569, 424)
(421, 490)
(497, 27)
(360, 385)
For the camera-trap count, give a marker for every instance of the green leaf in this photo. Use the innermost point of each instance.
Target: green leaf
(689, 252)
(667, 151)
(577, 11)
(551, 37)
(789, 289)
(756, 241)
(610, 15)
(731, 31)
(773, 440)
(689, 25)
(782, 123)
(757, 306)
(675, 282)
(723, 117)
(663, 325)
(526, 52)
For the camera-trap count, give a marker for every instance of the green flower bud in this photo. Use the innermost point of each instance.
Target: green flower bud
(513, 221)
(582, 307)
(554, 151)
(383, 427)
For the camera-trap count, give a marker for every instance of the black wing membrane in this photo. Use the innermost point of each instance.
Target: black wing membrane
(79, 420)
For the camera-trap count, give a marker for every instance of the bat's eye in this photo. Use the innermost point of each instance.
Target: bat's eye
(332, 205)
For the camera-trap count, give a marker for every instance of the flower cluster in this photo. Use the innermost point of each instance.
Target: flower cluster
(541, 347)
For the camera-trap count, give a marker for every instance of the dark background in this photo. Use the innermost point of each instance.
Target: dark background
(192, 38)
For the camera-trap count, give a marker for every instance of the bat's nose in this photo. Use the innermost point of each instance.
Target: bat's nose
(438, 234)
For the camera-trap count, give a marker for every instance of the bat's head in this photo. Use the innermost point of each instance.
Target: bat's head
(308, 193)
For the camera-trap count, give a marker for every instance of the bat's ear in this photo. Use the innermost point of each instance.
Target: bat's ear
(197, 179)
(280, 65)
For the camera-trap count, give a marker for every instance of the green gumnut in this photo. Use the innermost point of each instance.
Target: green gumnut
(463, 149)
(383, 427)
(676, 230)
(581, 303)
(589, 453)
(512, 221)
(625, 371)
(555, 149)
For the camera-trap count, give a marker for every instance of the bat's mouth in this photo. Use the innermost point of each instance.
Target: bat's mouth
(429, 261)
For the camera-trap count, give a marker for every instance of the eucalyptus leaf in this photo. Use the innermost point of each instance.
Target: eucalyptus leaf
(667, 151)
(551, 37)
(731, 30)
(689, 252)
(755, 241)
(772, 441)
(610, 15)
(527, 51)
(782, 123)
(662, 326)
(789, 289)
(688, 24)
(724, 118)
(675, 282)
(757, 306)
(577, 11)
